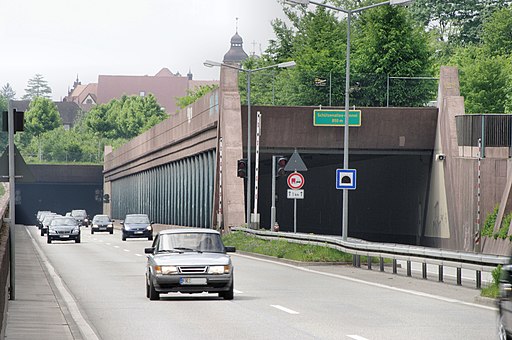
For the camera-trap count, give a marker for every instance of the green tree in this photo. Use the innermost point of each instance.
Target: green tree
(42, 115)
(194, 94)
(8, 92)
(497, 35)
(387, 42)
(37, 87)
(124, 118)
(457, 22)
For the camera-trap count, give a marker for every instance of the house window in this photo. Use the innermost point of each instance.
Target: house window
(88, 101)
(142, 93)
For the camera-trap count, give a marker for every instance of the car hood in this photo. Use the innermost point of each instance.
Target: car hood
(192, 259)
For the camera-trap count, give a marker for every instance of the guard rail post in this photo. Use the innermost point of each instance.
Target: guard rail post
(381, 263)
(459, 276)
(369, 261)
(440, 273)
(394, 266)
(478, 279)
(409, 268)
(424, 270)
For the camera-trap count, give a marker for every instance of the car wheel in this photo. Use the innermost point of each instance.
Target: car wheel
(92, 231)
(77, 240)
(153, 294)
(49, 240)
(150, 238)
(123, 237)
(502, 333)
(111, 231)
(42, 232)
(228, 295)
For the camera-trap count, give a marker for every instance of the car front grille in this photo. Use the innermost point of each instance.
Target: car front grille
(193, 270)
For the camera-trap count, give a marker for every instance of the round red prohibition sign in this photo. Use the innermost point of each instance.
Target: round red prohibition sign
(295, 181)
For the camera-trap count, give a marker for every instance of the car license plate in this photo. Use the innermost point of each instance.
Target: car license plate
(193, 280)
(64, 236)
(103, 228)
(139, 232)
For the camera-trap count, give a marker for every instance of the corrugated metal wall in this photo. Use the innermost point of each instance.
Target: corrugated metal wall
(177, 193)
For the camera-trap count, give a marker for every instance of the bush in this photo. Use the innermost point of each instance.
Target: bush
(490, 220)
(493, 290)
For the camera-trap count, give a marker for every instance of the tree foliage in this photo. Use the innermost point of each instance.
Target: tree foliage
(8, 92)
(37, 87)
(194, 94)
(124, 118)
(42, 116)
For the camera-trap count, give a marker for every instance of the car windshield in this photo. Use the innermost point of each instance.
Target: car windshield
(136, 219)
(191, 242)
(101, 219)
(63, 222)
(78, 213)
(48, 218)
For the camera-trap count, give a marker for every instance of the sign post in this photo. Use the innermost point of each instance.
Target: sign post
(295, 183)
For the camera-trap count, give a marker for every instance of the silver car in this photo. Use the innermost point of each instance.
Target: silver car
(189, 261)
(64, 229)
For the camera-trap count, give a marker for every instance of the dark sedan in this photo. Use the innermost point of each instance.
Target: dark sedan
(189, 261)
(136, 225)
(102, 223)
(64, 229)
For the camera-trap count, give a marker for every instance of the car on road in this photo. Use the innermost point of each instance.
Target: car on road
(136, 225)
(46, 222)
(102, 223)
(189, 261)
(39, 216)
(63, 229)
(81, 216)
(505, 303)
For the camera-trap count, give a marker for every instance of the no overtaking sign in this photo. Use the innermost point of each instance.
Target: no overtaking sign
(295, 181)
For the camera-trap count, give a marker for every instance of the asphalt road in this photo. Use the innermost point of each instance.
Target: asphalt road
(273, 300)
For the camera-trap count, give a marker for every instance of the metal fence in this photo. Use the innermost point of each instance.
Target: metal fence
(177, 193)
(426, 256)
(495, 130)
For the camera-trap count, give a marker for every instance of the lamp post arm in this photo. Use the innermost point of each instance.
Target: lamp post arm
(330, 7)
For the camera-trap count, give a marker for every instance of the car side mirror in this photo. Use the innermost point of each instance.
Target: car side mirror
(149, 250)
(121, 222)
(230, 249)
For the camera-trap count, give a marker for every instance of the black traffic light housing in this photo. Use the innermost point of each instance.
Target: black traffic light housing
(18, 120)
(281, 163)
(241, 168)
(106, 198)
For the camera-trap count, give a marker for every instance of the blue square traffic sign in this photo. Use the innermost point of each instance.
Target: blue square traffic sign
(346, 179)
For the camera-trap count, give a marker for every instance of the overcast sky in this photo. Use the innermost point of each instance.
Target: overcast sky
(62, 38)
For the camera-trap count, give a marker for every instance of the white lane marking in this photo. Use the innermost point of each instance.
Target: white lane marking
(237, 291)
(138, 255)
(107, 243)
(284, 309)
(356, 337)
(102, 241)
(116, 246)
(82, 324)
(125, 249)
(407, 291)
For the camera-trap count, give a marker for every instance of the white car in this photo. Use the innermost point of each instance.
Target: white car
(189, 261)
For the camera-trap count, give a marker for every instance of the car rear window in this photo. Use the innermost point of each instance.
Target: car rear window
(136, 219)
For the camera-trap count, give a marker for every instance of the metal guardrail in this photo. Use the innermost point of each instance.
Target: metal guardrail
(424, 255)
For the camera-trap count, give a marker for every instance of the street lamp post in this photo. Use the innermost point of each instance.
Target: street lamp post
(287, 64)
(348, 12)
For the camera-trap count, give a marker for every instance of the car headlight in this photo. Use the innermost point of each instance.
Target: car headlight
(85, 220)
(219, 269)
(149, 227)
(75, 230)
(126, 227)
(166, 270)
(109, 226)
(95, 226)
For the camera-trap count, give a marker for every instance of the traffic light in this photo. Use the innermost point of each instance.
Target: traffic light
(241, 168)
(281, 163)
(18, 120)
(106, 198)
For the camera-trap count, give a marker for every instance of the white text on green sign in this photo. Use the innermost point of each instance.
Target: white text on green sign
(336, 118)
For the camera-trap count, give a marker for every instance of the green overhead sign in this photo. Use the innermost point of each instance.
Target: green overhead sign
(336, 118)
